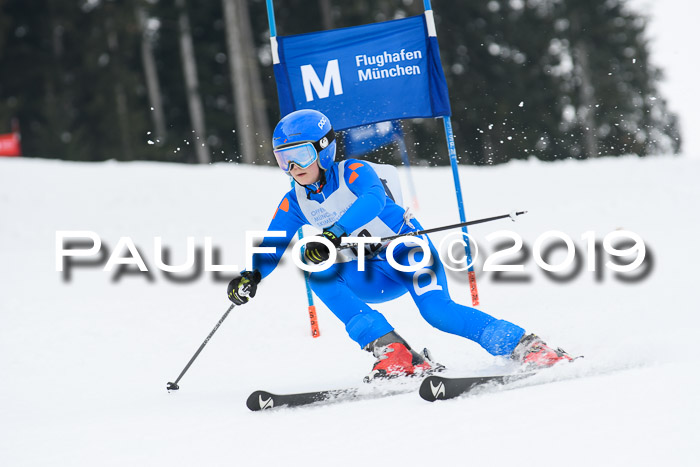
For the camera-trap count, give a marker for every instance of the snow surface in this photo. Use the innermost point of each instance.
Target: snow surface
(83, 365)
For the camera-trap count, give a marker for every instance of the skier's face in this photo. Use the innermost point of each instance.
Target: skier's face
(306, 176)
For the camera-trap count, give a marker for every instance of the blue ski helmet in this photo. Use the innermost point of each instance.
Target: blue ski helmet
(302, 137)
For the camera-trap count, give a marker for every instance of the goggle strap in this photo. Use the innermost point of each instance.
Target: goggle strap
(330, 136)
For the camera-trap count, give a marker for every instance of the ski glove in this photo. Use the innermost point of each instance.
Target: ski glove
(243, 288)
(317, 252)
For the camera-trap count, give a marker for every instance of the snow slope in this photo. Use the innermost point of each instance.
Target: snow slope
(83, 364)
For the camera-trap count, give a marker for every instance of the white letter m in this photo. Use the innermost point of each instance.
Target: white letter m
(332, 77)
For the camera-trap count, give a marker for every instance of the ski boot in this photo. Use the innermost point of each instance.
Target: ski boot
(533, 353)
(396, 358)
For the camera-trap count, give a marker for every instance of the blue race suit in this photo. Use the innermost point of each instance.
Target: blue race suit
(347, 291)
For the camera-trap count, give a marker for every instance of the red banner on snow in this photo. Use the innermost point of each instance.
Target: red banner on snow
(9, 145)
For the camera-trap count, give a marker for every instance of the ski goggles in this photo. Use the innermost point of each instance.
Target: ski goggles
(302, 154)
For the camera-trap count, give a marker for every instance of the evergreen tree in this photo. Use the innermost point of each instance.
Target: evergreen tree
(550, 78)
(610, 54)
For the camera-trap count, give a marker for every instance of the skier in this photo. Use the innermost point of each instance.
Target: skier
(347, 198)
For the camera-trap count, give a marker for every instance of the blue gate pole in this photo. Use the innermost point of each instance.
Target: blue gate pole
(271, 18)
(313, 317)
(315, 331)
(449, 135)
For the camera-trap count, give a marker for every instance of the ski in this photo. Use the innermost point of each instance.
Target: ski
(438, 387)
(264, 400)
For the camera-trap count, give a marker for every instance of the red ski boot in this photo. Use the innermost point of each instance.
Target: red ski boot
(395, 358)
(532, 352)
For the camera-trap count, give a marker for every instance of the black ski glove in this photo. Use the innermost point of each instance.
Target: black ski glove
(243, 288)
(317, 252)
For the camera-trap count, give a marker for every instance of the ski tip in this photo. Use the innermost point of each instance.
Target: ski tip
(432, 388)
(260, 400)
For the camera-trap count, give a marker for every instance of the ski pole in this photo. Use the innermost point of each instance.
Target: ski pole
(512, 216)
(173, 386)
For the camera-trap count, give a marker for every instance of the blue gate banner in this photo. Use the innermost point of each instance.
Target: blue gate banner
(364, 74)
(360, 140)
